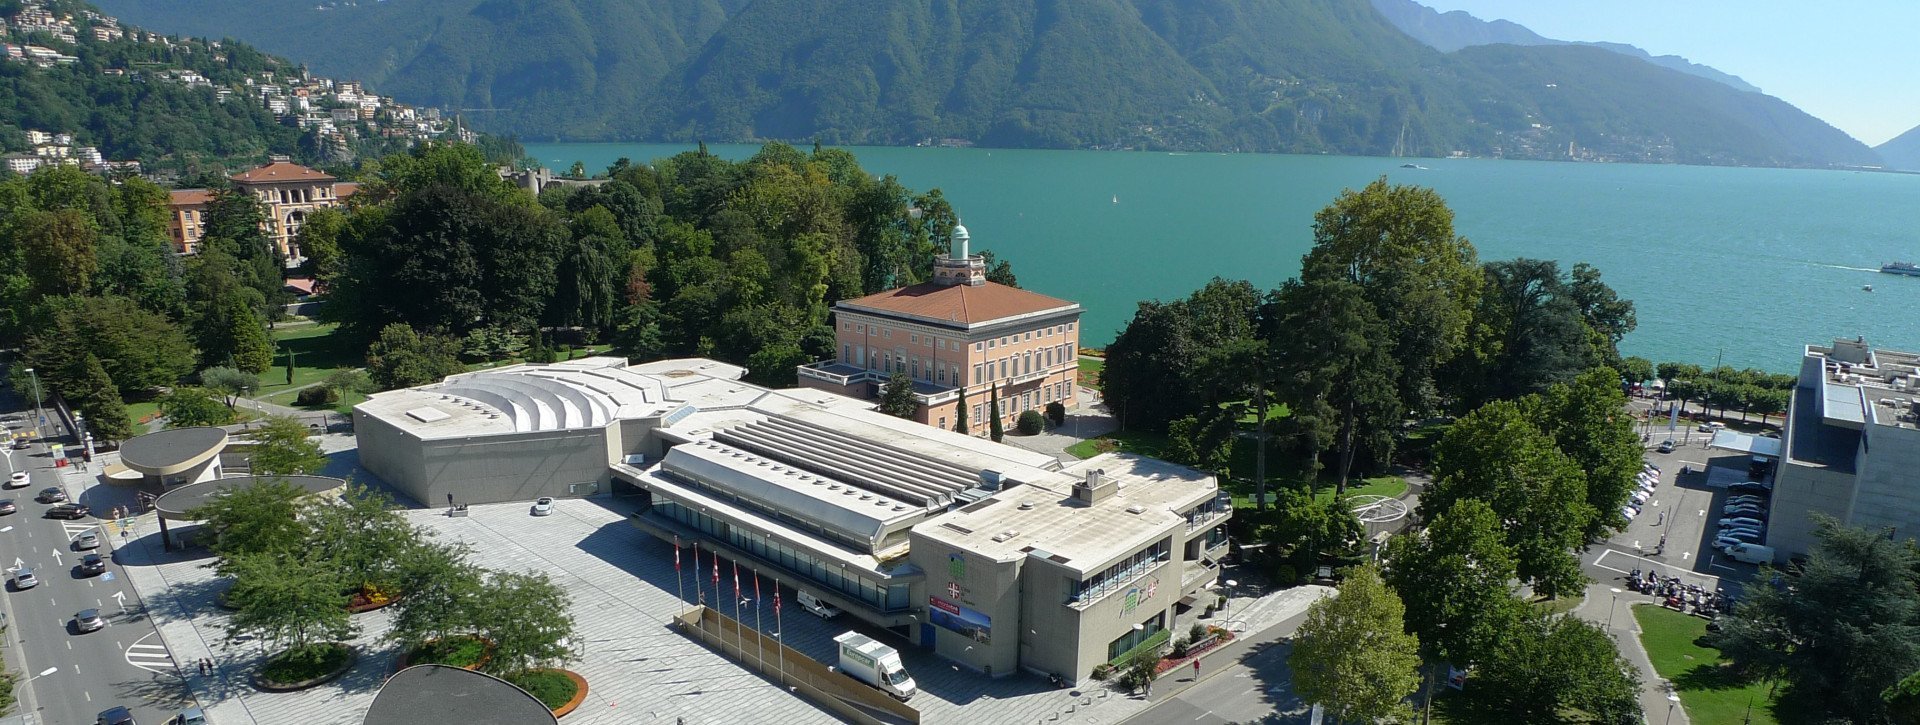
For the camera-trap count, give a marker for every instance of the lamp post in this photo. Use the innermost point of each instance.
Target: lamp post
(1672, 700)
(1231, 584)
(1610, 607)
(38, 675)
(39, 414)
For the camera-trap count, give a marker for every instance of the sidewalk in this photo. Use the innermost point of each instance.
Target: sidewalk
(1090, 420)
(1599, 603)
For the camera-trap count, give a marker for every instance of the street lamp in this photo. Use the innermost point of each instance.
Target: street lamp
(39, 414)
(1672, 700)
(1231, 584)
(1612, 606)
(42, 673)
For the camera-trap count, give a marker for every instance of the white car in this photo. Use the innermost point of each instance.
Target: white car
(1629, 512)
(543, 506)
(1640, 497)
(86, 540)
(18, 480)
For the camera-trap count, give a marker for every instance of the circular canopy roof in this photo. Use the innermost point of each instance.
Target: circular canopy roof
(174, 505)
(168, 452)
(438, 693)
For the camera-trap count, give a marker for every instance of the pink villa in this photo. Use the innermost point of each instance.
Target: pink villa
(957, 332)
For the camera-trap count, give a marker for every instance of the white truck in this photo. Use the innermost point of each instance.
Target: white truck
(876, 664)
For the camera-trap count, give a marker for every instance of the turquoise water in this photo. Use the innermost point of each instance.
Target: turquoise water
(1749, 263)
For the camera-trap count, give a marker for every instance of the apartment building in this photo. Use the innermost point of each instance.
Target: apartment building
(960, 339)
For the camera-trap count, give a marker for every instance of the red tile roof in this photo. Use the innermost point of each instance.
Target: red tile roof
(961, 304)
(189, 197)
(345, 189)
(279, 171)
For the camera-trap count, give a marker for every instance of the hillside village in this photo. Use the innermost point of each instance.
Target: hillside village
(338, 113)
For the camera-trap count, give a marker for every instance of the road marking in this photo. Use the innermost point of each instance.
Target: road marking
(1703, 513)
(84, 692)
(1685, 555)
(151, 657)
(69, 644)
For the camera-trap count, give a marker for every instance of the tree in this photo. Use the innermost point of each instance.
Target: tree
(230, 332)
(442, 591)
(346, 381)
(1549, 663)
(232, 383)
(187, 407)
(57, 249)
(1846, 630)
(1029, 423)
(1497, 455)
(1636, 369)
(960, 423)
(140, 350)
(290, 599)
(87, 388)
(1397, 244)
(995, 427)
(403, 358)
(1303, 531)
(1457, 582)
(1527, 334)
(1335, 371)
(526, 618)
(896, 397)
(1602, 309)
(1587, 418)
(1057, 413)
(364, 536)
(281, 447)
(1353, 655)
(263, 517)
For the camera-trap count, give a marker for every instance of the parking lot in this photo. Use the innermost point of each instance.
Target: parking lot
(1676, 528)
(623, 587)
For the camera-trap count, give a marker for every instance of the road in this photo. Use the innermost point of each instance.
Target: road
(1244, 685)
(122, 664)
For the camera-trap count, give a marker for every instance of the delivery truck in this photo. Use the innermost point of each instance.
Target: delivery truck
(876, 664)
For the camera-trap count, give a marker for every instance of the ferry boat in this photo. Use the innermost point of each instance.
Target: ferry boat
(1907, 268)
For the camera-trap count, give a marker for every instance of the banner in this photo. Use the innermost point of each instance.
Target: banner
(959, 618)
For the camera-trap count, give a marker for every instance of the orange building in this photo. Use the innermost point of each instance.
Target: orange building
(956, 332)
(287, 191)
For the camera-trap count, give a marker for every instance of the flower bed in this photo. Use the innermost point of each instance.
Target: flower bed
(367, 599)
(1215, 639)
(286, 672)
(463, 651)
(560, 690)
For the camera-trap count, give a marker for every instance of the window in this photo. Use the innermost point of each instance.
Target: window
(1049, 393)
(1069, 327)
(886, 332)
(993, 343)
(915, 339)
(1134, 638)
(943, 422)
(977, 375)
(976, 411)
(846, 352)
(979, 346)
(862, 329)
(1114, 577)
(940, 375)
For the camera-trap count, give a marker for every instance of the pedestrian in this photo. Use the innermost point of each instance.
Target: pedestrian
(1196, 669)
(202, 664)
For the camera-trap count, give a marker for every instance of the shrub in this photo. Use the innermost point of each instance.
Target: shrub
(1102, 671)
(1057, 413)
(1180, 647)
(1030, 423)
(1285, 574)
(316, 395)
(552, 687)
(1197, 632)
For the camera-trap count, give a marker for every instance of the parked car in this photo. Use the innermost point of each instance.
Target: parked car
(543, 506)
(51, 494)
(1650, 466)
(92, 564)
(1744, 536)
(1629, 512)
(1727, 521)
(1640, 497)
(17, 480)
(816, 605)
(88, 620)
(21, 444)
(1666, 446)
(86, 540)
(1750, 487)
(1747, 498)
(190, 716)
(116, 716)
(1744, 509)
(7, 506)
(67, 511)
(24, 579)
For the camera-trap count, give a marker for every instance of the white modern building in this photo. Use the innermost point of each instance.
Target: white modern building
(998, 558)
(1851, 448)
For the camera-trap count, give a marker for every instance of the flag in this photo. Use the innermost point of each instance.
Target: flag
(776, 600)
(756, 589)
(716, 574)
(736, 580)
(676, 553)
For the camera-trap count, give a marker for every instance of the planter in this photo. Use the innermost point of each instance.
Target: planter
(579, 688)
(353, 656)
(360, 602)
(486, 655)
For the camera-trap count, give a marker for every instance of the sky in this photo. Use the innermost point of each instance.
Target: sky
(1852, 63)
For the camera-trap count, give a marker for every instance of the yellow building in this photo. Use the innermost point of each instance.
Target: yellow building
(287, 191)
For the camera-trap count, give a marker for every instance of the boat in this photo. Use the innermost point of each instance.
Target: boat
(1866, 288)
(1116, 198)
(1412, 166)
(1907, 268)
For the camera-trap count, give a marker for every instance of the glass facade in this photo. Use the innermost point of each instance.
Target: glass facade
(827, 575)
(1133, 638)
(1114, 577)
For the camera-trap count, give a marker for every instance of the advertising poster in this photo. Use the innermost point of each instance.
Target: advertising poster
(964, 620)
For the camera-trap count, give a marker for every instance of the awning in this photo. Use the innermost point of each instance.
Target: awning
(1728, 440)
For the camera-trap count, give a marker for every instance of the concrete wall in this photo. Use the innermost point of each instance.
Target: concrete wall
(1887, 490)
(488, 469)
(1799, 491)
(986, 585)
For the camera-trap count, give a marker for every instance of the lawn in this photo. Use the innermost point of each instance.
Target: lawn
(578, 352)
(1708, 691)
(140, 410)
(1241, 485)
(316, 354)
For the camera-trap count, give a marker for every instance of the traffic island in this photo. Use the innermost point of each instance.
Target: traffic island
(284, 673)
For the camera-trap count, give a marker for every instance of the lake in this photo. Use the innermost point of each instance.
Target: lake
(1751, 264)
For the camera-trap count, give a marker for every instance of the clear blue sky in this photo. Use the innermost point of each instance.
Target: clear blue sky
(1854, 63)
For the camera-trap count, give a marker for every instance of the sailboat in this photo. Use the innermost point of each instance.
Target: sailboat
(1116, 198)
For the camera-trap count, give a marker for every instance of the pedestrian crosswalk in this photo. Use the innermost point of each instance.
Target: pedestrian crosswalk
(151, 657)
(72, 529)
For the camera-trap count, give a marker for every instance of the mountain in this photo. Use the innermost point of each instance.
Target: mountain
(1903, 151)
(1456, 29)
(1302, 76)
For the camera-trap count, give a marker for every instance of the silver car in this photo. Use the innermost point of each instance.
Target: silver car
(543, 506)
(88, 620)
(24, 579)
(86, 540)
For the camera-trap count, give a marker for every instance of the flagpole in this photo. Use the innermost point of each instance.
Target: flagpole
(739, 637)
(781, 638)
(679, 582)
(759, 635)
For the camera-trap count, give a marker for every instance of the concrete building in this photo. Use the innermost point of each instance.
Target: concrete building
(958, 336)
(1851, 448)
(287, 191)
(998, 558)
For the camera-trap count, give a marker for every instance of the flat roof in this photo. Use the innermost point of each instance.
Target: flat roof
(1729, 440)
(1082, 537)
(171, 451)
(440, 693)
(174, 505)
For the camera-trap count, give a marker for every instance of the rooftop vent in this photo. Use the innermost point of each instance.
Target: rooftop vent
(956, 527)
(898, 507)
(1026, 505)
(1136, 509)
(1005, 535)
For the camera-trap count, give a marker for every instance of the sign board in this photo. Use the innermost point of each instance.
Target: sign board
(961, 619)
